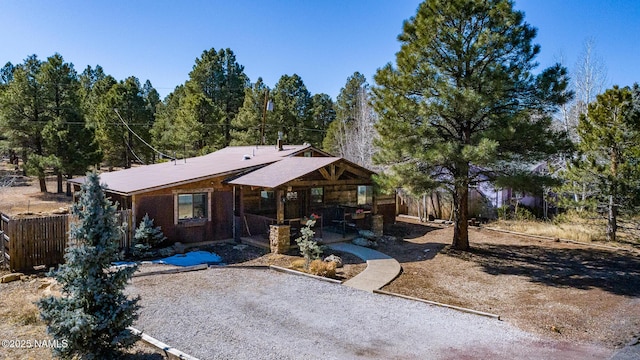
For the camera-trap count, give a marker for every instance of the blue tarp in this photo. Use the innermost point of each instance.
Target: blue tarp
(191, 258)
(188, 259)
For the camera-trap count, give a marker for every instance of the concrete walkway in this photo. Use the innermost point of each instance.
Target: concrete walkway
(381, 269)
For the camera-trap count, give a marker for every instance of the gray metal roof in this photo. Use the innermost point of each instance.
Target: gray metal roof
(283, 171)
(225, 161)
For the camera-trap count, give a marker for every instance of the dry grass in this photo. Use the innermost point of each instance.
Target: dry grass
(323, 268)
(585, 232)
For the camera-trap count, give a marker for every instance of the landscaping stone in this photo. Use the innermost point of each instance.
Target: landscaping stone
(364, 242)
(334, 258)
(367, 234)
(179, 248)
(11, 277)
(377, 225)
(166, 252)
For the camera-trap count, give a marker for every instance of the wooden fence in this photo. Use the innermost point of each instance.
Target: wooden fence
(41, 241)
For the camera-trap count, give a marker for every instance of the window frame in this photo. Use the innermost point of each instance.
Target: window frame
(207, 205)
(313, 197)
(368, 195)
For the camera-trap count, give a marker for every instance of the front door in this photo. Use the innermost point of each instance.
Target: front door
(296, 204)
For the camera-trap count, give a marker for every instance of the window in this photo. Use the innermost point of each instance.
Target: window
(267, 201)
(317, 195)
(365, 195)
(192, 206)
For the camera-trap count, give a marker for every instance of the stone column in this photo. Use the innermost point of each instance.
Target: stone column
(377, 225)
(279, 238)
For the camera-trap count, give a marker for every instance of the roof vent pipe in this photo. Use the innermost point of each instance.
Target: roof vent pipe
(280, 148)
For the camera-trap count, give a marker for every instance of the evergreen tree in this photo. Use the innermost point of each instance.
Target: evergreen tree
(169, 133)
(147, 236)
(292, 111)
(322, 115)
(609, 142)
(120, 113)
(462, 106)
(93, 314)
(66, 135)
(247, 125)
(221, 80)
(23, 117)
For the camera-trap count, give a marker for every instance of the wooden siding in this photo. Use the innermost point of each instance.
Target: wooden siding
(38, 241)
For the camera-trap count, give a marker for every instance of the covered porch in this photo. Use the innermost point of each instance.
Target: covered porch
(337, 194)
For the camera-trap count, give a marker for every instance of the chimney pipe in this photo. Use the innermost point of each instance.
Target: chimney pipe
(280, 147)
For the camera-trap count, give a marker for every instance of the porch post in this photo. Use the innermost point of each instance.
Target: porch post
(280, 207)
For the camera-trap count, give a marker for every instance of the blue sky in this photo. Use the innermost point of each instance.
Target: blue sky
(323, 41)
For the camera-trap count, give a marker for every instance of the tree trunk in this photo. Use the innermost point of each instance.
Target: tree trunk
(43, 183)
(460, 214)
(612, 225)
(59, 180)
(68, 193)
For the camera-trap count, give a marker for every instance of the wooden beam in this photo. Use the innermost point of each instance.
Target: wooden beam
(356, 171)
(330, 182)
(325, 173)
(280, 207)
(340, 172)
(332, 167)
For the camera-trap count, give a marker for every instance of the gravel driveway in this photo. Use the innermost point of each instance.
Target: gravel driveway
(227, 313)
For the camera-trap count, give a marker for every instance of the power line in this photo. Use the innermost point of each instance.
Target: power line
(141, 139)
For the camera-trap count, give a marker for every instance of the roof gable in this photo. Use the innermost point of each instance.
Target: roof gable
(287, 171)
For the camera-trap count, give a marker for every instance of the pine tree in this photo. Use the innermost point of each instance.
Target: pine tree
(292, 111)
(462, 105)
(147, 236)
(93, 314)
(609, 136)
(322, 115)
(220, 79)
(247, 126)
(23, 116)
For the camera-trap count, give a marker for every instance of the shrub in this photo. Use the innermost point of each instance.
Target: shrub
(146, 237)
(309, 248)
(323, 268)
(298, 264)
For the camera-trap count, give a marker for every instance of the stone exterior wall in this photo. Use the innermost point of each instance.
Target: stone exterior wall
(279, 238)
(377, 225)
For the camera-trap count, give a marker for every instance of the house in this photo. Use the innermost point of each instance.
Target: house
(242, 192)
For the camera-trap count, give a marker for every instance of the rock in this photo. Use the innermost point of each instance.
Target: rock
(240, 247)
(367, 234)
(166, 252)
(11, 277)
(179, 248)
(364, 242)
(388, 238)
(334, 258)
(361, 242)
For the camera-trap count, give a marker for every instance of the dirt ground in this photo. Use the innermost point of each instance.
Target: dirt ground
(562, 290)
(24, 198)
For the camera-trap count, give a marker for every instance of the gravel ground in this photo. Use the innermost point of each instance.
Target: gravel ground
(226, 313)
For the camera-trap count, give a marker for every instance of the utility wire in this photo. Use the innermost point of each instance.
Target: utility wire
(141, 139)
